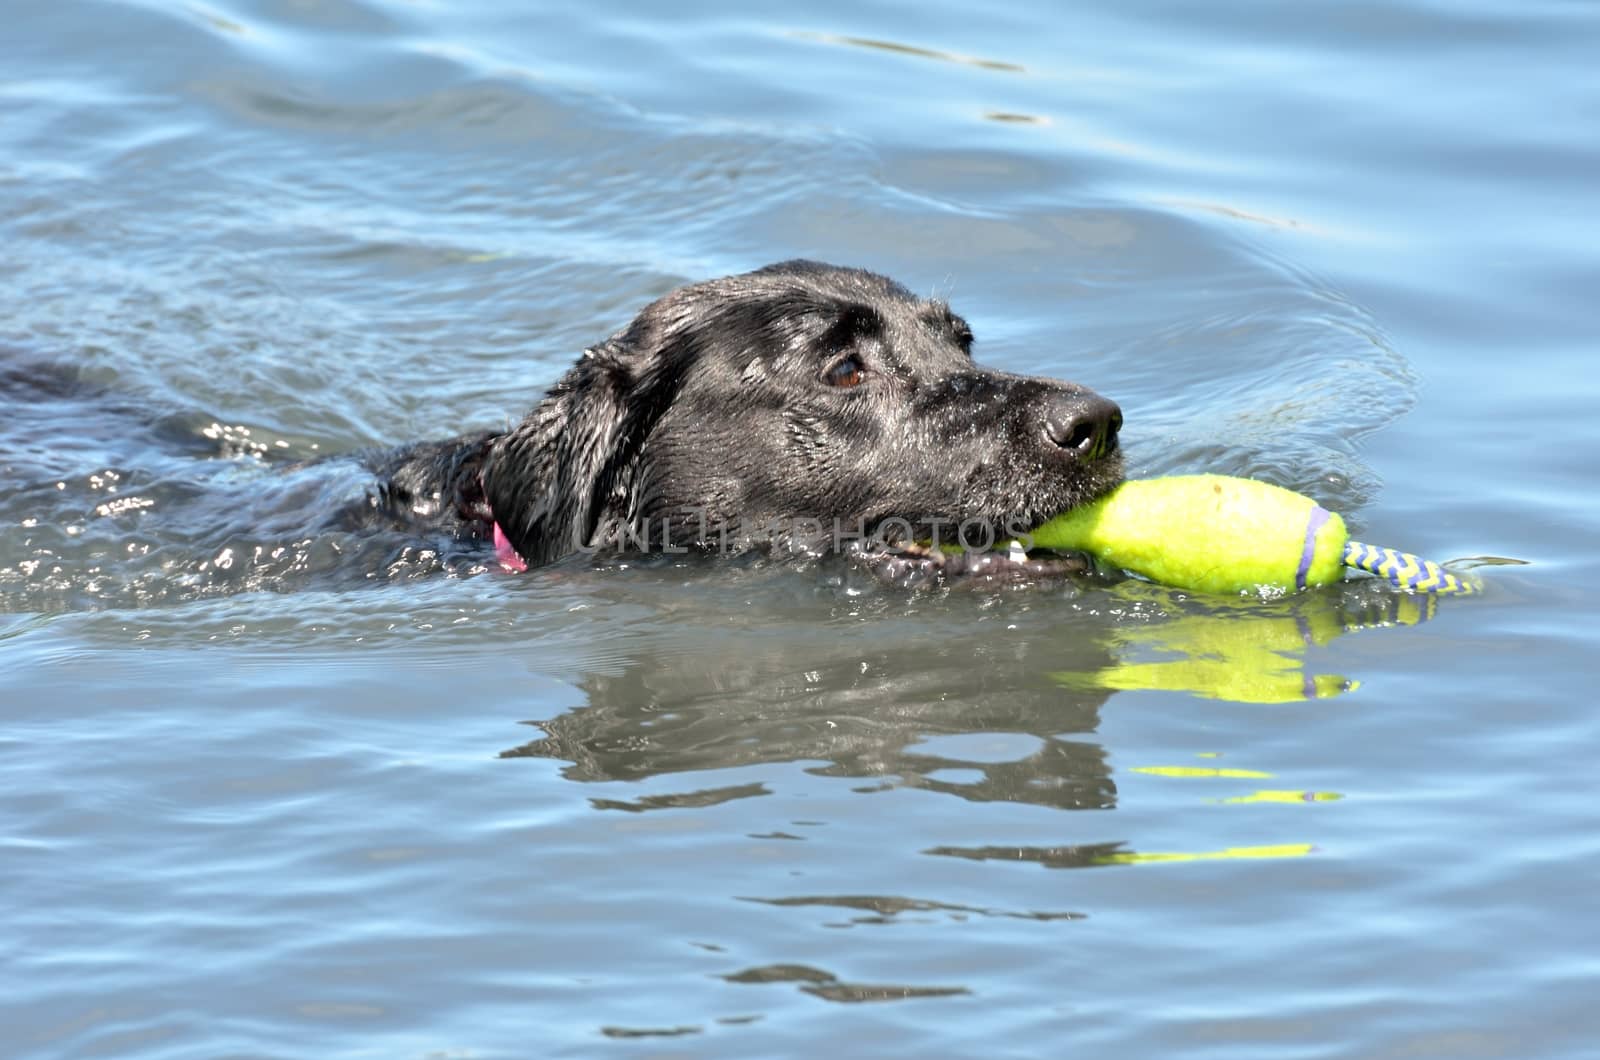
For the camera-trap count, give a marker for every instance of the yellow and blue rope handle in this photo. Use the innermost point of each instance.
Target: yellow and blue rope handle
(1400, 569)
(1405, 571)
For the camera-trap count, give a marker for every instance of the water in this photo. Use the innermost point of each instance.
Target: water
(320, 797)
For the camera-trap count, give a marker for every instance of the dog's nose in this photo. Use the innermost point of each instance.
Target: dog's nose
(1084, 425)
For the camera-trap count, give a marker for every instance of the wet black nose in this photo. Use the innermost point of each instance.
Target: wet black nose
(1083, 425)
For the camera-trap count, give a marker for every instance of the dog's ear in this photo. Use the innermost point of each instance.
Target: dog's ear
(552, 478)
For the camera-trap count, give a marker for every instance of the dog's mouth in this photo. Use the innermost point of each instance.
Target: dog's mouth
(1089, 482)
(1015, 496)
(988, 550)
(923, 566)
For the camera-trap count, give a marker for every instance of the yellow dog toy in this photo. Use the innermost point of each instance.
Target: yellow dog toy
(1218, 534)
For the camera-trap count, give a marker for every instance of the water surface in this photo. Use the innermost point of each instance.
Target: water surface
(271, 795)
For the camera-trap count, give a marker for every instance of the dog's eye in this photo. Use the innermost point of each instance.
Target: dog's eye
(846, 372)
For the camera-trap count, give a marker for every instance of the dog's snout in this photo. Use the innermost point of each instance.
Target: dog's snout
(1084, 425)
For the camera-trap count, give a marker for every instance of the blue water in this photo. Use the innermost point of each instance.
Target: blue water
(276, 796)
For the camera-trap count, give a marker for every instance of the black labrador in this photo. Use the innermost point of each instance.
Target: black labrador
(801, 402)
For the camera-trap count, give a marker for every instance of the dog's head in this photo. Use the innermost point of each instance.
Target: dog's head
(797, 392)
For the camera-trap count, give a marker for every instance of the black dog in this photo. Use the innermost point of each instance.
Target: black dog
(730, 409)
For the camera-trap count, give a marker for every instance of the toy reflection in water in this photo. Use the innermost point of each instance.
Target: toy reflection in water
(1246, 650)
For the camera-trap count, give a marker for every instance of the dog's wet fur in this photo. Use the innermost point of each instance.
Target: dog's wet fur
(798, 394)
(798, 411)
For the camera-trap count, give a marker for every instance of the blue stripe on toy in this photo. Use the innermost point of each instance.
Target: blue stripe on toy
(1316, 521)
